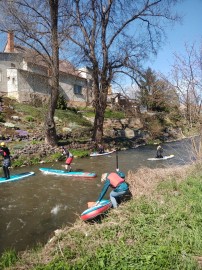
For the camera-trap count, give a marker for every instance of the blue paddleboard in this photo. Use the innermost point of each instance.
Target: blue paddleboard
(16, 177)
(65, 173)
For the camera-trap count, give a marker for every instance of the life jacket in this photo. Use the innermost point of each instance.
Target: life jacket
(115, 179)
(5, 152)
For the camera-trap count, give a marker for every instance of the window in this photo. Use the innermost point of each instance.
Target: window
(77, 89)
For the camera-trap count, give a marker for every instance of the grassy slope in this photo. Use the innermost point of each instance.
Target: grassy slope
(159, 229)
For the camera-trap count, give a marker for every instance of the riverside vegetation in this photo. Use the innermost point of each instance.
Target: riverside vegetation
(159, 228)
(23, 126)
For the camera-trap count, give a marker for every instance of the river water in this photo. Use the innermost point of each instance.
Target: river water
(31, 209)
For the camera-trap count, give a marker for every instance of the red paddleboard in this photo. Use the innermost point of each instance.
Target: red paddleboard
(96, 210)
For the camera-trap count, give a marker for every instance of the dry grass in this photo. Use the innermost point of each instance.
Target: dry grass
(197, 147)
(145, 180)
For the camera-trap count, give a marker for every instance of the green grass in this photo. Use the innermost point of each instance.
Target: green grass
(30, 111)
(146, 234)
(150, 233)
(8, 259)
(70, 116)
(66, 116)
(114, 114)
(90, 112)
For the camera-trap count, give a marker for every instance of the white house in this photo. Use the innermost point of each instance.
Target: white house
(25, 77)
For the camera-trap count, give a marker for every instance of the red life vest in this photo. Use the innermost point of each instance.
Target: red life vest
(5, 152)
(115, 179)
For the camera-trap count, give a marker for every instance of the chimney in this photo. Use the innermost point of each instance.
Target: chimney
(10, 42)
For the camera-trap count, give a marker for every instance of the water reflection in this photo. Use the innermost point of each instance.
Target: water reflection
(31, 209)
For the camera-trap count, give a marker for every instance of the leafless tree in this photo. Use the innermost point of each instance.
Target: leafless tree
(187, 78)
(116, 36)
(36, 26)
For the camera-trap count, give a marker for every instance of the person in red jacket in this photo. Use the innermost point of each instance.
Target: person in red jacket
(117, 183)
(69, 158)
(5, 153)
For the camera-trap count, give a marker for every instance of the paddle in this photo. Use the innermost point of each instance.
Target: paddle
(117, 161)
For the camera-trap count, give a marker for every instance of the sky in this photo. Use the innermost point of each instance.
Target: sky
(188, 31)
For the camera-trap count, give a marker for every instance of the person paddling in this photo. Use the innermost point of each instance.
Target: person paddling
(5, 153)
(69, 159)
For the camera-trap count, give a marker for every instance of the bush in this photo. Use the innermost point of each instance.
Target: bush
(61, 103)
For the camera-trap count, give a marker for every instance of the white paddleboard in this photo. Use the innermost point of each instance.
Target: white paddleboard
(164, 158)
(96, 154)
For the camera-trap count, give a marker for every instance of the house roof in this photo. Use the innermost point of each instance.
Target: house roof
(32, 56)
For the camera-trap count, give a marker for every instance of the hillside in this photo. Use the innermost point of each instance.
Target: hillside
(22, 125)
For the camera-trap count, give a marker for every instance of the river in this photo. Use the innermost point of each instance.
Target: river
(31, 209)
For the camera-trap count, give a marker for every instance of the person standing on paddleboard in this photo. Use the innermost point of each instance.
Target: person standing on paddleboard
(117, 183)
(159, 151)
(5, 153)
(100, 149)
(69, 159)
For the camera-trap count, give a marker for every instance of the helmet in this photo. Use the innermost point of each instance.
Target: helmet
(3, 144)
(104, 177)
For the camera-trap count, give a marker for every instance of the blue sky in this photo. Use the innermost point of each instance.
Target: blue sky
(188, 31)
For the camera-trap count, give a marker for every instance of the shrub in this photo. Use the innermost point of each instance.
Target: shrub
(61, 103)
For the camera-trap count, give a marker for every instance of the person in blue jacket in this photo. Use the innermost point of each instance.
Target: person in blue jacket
(117, 183)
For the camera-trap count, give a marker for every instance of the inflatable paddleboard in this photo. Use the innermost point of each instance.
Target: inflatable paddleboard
(16, 177)
(96, 154)
(97, 210)
(65, 173)
(164, 158)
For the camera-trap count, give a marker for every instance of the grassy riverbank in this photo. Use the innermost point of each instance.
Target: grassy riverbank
(160, 228)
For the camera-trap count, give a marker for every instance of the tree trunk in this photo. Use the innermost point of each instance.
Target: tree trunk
(50, 130)
(98, 125)
(100, 107)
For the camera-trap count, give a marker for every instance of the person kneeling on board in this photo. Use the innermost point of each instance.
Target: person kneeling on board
(117, 183)
(69, 159)
(5, 153)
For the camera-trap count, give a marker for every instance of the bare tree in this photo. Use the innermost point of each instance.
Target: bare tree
(187, 78)
(35, 24)
(116, 37)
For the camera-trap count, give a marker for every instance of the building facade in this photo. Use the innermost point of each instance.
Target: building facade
(25, 77)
